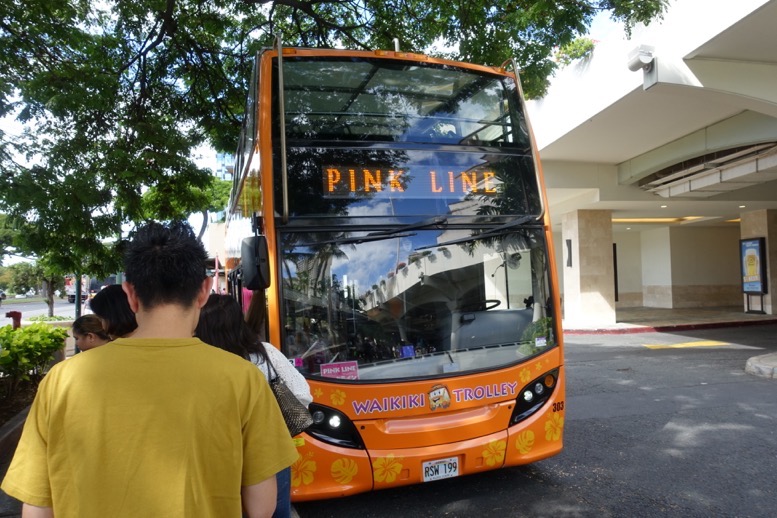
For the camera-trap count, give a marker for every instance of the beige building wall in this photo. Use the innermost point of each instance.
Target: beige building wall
(628, 249)
(656, 268)
(670, 267)
(558, 254)
(705, 266)
(687, 267)
(587, 267)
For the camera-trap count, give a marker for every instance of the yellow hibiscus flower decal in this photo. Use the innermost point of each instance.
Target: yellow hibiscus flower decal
(303, 470)
(337, 397)
(494, 454)
(553, 427)
(538, 367)
(317, 393)
(525, 441)
(525, 375)
(343, 470)
(387, 469)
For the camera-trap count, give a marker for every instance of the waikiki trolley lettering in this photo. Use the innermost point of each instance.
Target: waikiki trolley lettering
(350, 181)
(438, 397)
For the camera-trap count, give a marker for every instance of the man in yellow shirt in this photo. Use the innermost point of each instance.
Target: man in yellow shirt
(159, 424)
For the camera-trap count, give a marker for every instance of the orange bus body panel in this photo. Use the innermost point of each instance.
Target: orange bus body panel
(474, 431)
(399, 432)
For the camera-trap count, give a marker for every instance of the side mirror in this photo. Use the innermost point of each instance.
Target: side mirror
(254, 260)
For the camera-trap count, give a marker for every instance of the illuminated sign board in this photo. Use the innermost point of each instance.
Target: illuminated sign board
(409, 182)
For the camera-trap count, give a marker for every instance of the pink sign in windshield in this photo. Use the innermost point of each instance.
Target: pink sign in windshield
(343, 370)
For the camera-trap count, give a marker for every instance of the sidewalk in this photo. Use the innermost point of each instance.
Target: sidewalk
(646, 320)
(641, 320)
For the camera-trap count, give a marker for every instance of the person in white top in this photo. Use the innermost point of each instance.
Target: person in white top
(222, 325)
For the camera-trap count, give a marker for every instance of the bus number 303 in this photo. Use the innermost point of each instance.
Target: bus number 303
(558, 406)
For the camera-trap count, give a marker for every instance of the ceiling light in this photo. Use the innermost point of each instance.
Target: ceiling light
(656, 220)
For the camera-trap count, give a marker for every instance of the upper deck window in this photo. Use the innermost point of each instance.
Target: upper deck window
(394, 101)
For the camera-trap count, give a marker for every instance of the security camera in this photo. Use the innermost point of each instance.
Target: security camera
(641, 58)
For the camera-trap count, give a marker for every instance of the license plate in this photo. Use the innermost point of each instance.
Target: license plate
(441, 468)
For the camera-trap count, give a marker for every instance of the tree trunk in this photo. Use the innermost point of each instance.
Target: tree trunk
(48, 292)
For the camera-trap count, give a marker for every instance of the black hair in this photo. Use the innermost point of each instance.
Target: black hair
(110, 304)
(165, 263)
(222, 325)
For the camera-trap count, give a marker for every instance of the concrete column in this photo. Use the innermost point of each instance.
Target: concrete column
(589, 281)
(656, 268)
(763, 223)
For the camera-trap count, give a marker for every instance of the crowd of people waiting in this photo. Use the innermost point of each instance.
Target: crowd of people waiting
(163, 412)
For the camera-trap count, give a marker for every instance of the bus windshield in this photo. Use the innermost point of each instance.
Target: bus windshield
(419, 303)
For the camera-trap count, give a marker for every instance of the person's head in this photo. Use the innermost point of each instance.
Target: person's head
(222, 325)
(88, 332)
(111, 306)
(165, 264)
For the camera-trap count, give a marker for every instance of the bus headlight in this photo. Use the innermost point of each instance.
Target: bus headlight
(533, 396)
(333, 427)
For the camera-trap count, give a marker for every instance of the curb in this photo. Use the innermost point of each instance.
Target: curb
(764, 366)
(667, 328)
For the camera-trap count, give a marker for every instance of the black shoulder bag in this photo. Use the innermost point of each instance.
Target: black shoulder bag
(296, 415)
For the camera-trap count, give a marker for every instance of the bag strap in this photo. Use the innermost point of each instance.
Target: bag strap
(271, 370)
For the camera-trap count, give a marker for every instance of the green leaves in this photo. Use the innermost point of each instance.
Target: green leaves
(26, 352)
(115, 95)
(577, 49)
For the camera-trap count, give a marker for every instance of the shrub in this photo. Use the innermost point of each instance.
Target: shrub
(26, 352)
(44, 318)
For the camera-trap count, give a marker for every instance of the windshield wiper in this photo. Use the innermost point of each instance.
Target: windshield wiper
(357, 240)
(431, 222)
(386, 234)
(489, 233)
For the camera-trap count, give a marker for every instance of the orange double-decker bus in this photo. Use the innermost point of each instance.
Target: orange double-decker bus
(388, 225)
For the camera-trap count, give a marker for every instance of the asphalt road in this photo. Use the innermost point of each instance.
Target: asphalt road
(34, 307)
(657, 424)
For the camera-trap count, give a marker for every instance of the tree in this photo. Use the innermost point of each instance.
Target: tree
(24, 278)
(115, 95)
(37, 277)
(5, 278)
(6, 238)
(159, 202)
